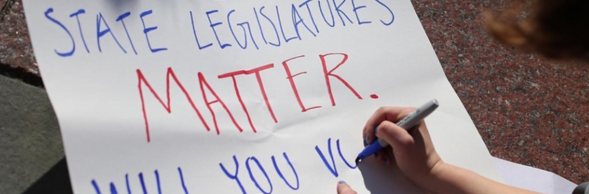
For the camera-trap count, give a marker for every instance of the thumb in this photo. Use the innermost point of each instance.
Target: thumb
(343, 188)
(398, 137)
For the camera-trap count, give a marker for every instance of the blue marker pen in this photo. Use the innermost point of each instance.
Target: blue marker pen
(406, 123)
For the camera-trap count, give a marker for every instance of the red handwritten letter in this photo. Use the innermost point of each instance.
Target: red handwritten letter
(170, 73)
(290, 77)
(203, 82)
(260, 84)
(330, 73)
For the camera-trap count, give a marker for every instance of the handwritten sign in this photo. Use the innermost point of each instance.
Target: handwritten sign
(251, 96)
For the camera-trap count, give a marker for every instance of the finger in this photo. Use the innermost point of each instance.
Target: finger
(390, 156)
(379, 156)
(386, 157)
(392, 114)
(344, 188)
(420, 133)
(396, 136)
(383, 157)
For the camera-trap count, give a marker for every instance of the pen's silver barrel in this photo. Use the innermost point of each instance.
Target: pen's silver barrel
(419, 114)
(415, 117)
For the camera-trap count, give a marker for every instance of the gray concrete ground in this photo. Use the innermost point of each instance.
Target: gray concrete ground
(30, 140)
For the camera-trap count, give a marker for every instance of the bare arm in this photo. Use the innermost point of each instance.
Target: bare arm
(414, 153)
(447, 178)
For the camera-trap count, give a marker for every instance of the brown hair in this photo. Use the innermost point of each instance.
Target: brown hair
(557, 29)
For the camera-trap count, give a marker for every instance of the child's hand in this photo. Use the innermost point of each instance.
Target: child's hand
(343, 188)
(412, 150)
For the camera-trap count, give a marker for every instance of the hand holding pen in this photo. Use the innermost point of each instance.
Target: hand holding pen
(408, 122)
(411, 148)
(407, 142)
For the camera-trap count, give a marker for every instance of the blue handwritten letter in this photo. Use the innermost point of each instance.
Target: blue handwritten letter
(195, 36)
(80, 11)
(147, 30)
(273, 27)
(233, 176)
(390, 11)
(215, 31)
(66, 54)
(282, 176)
(101, 33)
(249, 170)
(306, 3)
(340, 12)
(356, 12)
(332, 168)
(121, 19)
(332, 24)
(297, 20)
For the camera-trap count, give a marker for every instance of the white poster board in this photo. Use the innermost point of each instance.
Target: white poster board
(230, 96)
(533, 179)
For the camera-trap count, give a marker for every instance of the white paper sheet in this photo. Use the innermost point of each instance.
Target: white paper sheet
(137, 86)
(533, 179)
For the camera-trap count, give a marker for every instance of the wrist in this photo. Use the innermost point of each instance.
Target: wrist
(431, 177)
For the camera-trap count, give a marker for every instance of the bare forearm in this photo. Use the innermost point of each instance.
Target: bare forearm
(447, 178)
